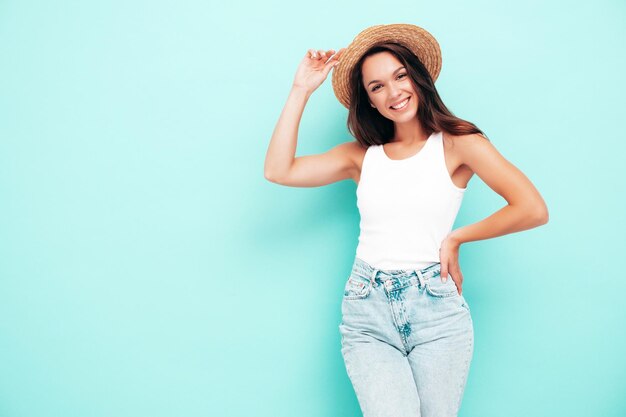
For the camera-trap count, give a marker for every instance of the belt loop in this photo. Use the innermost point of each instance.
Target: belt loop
(420, 277)
(373, 277)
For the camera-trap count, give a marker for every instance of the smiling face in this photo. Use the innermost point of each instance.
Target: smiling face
(388, 85)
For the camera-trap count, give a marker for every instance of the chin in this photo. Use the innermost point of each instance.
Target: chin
(404, 117)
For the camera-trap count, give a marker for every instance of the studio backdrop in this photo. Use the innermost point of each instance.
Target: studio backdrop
(147, 267)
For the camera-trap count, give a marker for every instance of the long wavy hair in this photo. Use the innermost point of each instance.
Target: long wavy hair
(369, 127)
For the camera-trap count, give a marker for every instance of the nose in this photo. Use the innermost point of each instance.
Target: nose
(395, 92)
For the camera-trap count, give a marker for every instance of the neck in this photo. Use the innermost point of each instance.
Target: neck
(409, 132)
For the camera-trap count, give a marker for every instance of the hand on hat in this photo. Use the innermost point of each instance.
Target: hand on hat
(315, 67)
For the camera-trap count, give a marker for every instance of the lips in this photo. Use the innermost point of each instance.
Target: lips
(406, 104)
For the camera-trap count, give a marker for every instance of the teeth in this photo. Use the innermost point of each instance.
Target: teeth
(401, 105)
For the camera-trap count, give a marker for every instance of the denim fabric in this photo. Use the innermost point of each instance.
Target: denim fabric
(407, 340)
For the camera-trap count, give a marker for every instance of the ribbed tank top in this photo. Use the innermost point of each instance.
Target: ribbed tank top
(407, 206)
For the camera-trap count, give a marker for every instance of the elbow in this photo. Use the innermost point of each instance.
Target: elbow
(542, 219)
(541, 216)
(270, 177)
(266, 173)
(534, 215)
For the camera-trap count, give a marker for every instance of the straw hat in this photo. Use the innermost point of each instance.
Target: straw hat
(418, 40)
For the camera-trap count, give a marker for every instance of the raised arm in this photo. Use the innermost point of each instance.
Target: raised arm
(281, 165)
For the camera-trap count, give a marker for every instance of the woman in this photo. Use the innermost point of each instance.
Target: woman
(406, 333)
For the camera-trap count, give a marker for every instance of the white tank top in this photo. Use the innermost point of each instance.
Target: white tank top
(407, 207)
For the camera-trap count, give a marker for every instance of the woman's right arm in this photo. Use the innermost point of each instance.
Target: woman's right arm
(281, 165)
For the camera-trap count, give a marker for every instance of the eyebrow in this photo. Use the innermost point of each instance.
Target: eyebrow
(377, 81)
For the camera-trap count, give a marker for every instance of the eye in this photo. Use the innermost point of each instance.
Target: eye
(378, 85)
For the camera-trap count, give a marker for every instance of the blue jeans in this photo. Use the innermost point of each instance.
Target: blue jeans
(407, 340)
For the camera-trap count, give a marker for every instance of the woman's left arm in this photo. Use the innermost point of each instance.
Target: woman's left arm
(526, 208)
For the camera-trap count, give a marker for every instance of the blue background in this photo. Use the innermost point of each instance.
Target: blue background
(147, 268)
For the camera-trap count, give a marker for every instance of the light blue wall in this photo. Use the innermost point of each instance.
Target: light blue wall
(147, 268)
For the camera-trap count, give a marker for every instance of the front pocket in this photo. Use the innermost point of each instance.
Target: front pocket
(437, 288)
(356, 288)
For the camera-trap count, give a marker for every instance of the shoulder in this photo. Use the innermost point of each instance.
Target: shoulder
(351, 155)
(465, 147)
(352, 147)
(479, 154)
(465, 141)
(352, 151)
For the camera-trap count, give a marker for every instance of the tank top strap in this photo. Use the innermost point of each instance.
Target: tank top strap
(374, 156)
(438, 148)
(378, 151)
(431, 154)
(430, 147)
(439, 159)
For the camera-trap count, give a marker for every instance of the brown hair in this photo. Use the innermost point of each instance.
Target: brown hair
(369, 127)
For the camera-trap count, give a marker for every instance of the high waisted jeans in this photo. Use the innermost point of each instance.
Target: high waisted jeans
(407, 340)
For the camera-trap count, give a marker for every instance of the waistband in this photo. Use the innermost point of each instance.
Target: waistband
(398, 276)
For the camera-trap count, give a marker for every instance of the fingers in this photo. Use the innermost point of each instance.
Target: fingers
(320, 53)
(445, 272)
(459, 275)
(443, 269)
(315, 54)
(458, 281)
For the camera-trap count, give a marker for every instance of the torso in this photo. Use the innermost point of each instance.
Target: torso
(459, 172)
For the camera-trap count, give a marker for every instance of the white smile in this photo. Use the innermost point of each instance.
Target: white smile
(401, 105)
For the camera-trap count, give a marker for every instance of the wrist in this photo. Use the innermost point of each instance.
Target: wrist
(301, 89)
(455, 239)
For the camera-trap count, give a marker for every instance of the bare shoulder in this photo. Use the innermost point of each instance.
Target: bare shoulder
(353, 153)
(462, 147)
(464, 141)
(354, 150)
(478, 153)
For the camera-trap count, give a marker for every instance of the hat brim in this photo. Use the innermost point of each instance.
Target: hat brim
(418, 40)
